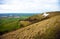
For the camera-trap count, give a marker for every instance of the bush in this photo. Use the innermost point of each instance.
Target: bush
(24, 23)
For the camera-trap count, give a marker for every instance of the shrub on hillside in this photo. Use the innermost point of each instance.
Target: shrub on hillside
(24, 23)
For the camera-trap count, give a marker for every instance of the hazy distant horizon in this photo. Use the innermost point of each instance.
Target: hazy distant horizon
(16, 14)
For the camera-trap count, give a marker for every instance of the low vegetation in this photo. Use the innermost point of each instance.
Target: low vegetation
(36, 18)
(45, 29)
(38, 27)
(10, 24)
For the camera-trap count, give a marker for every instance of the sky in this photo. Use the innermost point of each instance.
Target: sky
(28, 6)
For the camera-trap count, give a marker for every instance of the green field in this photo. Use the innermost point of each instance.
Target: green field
(10, 24)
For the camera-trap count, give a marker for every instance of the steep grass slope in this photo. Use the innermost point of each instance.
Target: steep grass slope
(46, 29)
(36, 18)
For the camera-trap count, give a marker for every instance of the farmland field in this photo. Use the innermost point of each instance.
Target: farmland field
(10, 24)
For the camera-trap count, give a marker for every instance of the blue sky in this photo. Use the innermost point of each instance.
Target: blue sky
(28, 6)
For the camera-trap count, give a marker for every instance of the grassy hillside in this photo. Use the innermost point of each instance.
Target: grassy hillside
(36, 18)
(46, 29)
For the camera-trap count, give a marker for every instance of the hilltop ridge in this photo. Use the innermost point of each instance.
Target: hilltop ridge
(36, 18)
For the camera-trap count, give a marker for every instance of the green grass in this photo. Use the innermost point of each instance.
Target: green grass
(10, 24)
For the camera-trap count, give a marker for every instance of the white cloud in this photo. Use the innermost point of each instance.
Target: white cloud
(29, 6)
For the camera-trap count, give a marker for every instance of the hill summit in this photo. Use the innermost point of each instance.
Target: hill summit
(48, 28)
